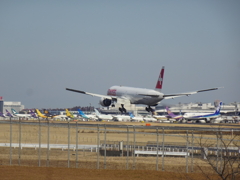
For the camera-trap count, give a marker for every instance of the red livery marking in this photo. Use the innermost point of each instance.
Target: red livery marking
(112, 92)
(160, 80)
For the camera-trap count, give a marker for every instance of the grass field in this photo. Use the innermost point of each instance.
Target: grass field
(40, 173)
(83, 166)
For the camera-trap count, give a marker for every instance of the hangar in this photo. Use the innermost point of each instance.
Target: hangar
(8, 105)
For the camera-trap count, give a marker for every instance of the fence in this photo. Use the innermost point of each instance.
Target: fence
(101, 146)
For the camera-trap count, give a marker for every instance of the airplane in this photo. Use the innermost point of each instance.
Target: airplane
(20, 115)
(149, 119)
(163, 118)
(9, 114)
(2, 115)
(33, 114)
(132, 95)
(89, 116)
(46, 115)
(103, 116)
(206, 116)
(69, 114)
(160, 117)
(121, 118)
(135, 118)
(172, 115)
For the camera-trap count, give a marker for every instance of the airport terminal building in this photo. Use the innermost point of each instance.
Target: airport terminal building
(227, 109)
(8, 105)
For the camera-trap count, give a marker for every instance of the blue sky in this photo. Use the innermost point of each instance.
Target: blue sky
(46, 46)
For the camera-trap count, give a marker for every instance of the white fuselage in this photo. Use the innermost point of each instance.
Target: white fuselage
(91, 116)
(137, 118)
(121, 118)
(136, 95)
(22, 115)
(158, 117)
(150, 119)
(104, 117)
(200, 116)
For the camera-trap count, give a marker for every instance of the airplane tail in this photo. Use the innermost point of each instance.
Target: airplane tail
(38, 112)
(69, 114)
(131, 115)
(170, 113)
(160, 81)
(219, 108)
(97, 112)
(1, 114)
(14, 112)
(9, 114)
(82, 114)
(32, 113)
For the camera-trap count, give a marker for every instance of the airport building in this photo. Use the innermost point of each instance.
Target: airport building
(227, 109)
(1, 104)
(8, 105)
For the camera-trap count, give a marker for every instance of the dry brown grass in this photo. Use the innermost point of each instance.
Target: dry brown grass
(40, 173)
(87, 161)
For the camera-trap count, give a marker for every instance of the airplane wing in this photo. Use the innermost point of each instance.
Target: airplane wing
(114, 98)
(91, 94)
(172, 96)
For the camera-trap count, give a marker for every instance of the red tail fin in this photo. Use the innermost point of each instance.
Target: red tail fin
(160, 80)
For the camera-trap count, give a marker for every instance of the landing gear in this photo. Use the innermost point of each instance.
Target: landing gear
(149, 109)
(122, 109)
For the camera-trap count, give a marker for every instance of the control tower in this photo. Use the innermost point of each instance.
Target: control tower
(1, 104)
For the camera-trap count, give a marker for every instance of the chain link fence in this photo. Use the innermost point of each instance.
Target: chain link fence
(103, 146)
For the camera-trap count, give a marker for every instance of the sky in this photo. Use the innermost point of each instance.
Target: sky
(48, 46)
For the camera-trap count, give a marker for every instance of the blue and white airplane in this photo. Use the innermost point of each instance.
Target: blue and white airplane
(103, 116)
(89, 116)
(15, 113)
(206, 116)
(136, 118)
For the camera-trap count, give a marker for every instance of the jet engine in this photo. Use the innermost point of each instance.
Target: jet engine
(105, 102)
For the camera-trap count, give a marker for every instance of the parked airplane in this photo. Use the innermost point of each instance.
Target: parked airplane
(163, 118)
(160, 117)
(149, 119)
(103, 116)
(69, 114)
(132, 95)
(172, 115)
(135, 118)
(206, 116)
(15, 113)
(33, 114)
(8, 114)
(46, 115)
(121, 118)
(2, 115)
(89, 116)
